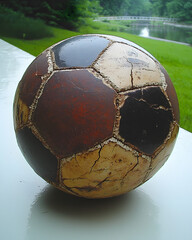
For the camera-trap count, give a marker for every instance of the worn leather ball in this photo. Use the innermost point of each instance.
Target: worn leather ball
(96, 115)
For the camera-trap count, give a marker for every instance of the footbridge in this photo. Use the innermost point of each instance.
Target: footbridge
(137, 18)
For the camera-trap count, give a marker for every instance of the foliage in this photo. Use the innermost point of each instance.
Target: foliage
(110, 7)
(15, 24)
(126, 7)
(181, 9)
(136, 8)
(64, 13)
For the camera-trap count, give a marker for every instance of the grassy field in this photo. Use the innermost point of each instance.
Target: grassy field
(176, 58)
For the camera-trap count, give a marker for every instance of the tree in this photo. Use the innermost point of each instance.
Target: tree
(126, 7)
(181, 9)
(159, 7)
(136, 8)
(110, 7)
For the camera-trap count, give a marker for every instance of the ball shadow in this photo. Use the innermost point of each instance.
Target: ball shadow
(55, 213)
(71, 206)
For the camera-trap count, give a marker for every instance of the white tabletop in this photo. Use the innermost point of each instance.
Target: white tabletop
(160, 209)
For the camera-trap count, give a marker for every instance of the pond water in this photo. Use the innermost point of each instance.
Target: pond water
(163, 31)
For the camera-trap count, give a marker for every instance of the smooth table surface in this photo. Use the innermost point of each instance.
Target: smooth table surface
(160, 209)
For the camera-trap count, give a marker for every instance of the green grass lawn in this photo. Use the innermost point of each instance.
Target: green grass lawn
(35, 47)
(176, 58)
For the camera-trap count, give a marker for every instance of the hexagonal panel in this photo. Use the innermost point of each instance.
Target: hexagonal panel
(123, 40)
(75, 112)
(20, 110)
(107, 171)
(27, 89)
(127, 67)
(170, 90)
(79, 51)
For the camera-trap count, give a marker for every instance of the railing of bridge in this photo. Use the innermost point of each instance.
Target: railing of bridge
(137, 18)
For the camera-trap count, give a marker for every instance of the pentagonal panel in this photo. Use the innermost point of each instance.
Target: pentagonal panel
(31, 79)
(76, 111)
(40, 158)
(127, 67)
(159, 160)
(80, 51)
(146, 117)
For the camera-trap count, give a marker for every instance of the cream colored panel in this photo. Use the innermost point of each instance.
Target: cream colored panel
(119, 39)
(107, 171)
(79, 165)
(136, 176)
(127, 67)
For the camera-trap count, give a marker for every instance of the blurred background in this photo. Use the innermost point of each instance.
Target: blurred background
(163, 27)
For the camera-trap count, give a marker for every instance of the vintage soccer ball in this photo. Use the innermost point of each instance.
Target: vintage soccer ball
(96, 115)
